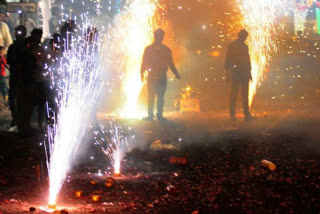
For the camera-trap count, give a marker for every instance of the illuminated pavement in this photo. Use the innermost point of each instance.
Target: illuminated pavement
(223, 173)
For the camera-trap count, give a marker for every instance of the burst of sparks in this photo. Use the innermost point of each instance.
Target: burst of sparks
(258, 19)
(113, 144)
(79, 90)
(133, 31)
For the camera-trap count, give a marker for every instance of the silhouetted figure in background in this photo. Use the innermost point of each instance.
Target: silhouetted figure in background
(14, 55)
(3, 64)
(67, 31)
(32, 81)
(156, 60)
(238, 68)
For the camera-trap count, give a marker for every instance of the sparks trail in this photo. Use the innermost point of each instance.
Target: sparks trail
(79, 87)
(258, 19)
(132, 32)
(113, 141)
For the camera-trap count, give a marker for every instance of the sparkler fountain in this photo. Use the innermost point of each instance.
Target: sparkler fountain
(258, 19)
(80, 87)
(133, 31)
(113, 143)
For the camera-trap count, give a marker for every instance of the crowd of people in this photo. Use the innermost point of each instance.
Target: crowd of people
(27, 59)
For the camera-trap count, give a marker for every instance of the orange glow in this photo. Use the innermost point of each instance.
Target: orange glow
(93, 182)
(109, 182)
(79, 194)
(52, 206)
(96, 198)
(215, 53)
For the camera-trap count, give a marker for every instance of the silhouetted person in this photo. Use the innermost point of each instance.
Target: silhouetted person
(238, 68)
(14, 55)
(156, 60)
(67, 31)
(31, 88)
(3, 64)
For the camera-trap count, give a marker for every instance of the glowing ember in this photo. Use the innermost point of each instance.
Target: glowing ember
(52, 206)
(109, 182)
(133, 32)
(258, 20)
(78, 194)
(96, 198)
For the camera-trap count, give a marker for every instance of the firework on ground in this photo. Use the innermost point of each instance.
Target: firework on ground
(258, 19)
(79, 87)
(113, 142)
(132, 32)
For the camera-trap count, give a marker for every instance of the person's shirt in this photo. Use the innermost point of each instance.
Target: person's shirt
(238, 59)
(3, 64)
(5, 36)
(15, 53)
(32, 62)
(156, 60)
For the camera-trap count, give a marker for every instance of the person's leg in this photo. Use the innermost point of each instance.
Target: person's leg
(151, 96)
(245, 98)
(233, 97)
(42, 97)
(161, 89)
(25, 109)
(3, 86)
(12, 104)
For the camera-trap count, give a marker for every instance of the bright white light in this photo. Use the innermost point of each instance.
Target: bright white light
(80, 87)
(133, 31)
(258, 20)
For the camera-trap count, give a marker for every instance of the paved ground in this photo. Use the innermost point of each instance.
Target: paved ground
(223, 174)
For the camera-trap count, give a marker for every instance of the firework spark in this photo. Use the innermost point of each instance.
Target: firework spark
(133, 31)
(80, 87)
(258, 19)
(113, 143)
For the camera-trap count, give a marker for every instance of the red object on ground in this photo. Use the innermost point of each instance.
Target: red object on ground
(178, 160)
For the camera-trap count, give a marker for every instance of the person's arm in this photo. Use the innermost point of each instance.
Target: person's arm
(227, 65)
(143, 65)
(173, 67)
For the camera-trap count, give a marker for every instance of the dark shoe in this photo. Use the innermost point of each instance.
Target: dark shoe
(148, 118)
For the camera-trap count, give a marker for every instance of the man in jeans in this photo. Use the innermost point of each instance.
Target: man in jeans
(156, 59)
(238, 67)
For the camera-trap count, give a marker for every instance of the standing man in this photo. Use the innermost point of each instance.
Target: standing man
(238, 69)
(156, 59)
(15, 52)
